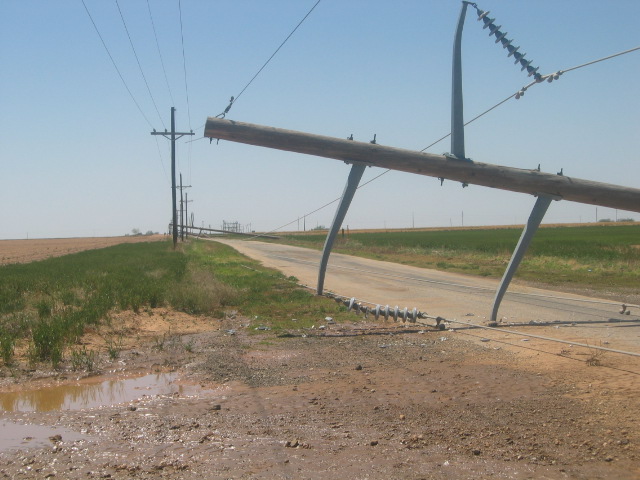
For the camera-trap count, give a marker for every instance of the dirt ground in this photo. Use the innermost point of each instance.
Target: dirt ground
(370, 400)
(24, 251)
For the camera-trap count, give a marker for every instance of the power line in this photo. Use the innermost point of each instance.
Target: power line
(115, 65)
(549, 77)
(234, 99)
(139, 65)
(186, 85)
(184, 64)
(159, 53)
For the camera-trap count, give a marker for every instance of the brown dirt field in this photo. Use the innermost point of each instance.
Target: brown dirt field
(25, 251)
(359, 400)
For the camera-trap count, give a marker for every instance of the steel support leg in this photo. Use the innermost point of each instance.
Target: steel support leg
(457, 117)
(537, 214)
(357, 169)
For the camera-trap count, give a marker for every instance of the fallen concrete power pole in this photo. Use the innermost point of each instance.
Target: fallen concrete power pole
(533, 181)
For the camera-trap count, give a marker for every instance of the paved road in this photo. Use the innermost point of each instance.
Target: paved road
(454, 296)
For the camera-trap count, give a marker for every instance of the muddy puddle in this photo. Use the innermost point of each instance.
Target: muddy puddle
(95, 392)
(85, 394)
(17, 436)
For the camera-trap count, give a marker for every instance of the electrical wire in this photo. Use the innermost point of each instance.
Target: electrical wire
(184, 64)
(486, 327)
(501, 102)
(115, 65)
(135, 54)
(166, 79)
(235, 99)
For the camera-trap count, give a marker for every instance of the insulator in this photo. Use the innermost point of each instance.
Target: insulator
(487, 21)
(538, 77)
(376, 312)
(506, 43)
(519, 94)
(365, 310)
(532, 71)
(512, 50)
(385, 312)
(422, 314)
(337, 300)
(395, 313)
(500, 36)
(414, 315)
(403, 314)
(493, 29)
(518, 56)
(352, 304)
(525, 63)
(482, 14)
(357, 307)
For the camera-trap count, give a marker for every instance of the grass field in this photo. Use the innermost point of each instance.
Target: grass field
(598, 257)
(46, 306)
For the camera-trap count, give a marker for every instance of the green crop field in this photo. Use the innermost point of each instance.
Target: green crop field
(598, 257)
(47, 306)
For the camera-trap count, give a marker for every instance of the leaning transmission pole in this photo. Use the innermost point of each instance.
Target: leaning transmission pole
(173, 136)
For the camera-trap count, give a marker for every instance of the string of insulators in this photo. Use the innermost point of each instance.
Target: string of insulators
(506, 43)
(396, 313)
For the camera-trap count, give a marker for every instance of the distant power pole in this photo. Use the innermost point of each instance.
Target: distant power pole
(173, 136)
(182, 215)
(186, 212)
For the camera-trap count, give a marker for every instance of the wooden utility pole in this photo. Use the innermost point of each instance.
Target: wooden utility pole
(173, 136)
(531, 181)
(182, 209)
(186, 211)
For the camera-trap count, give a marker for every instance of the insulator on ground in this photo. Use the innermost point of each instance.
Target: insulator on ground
(352, 303)
(376, 311)
(403, 314)
(422, 314)
(365, 310)
(414, 315)
(385, 312)
(395, 313)
(357, 307)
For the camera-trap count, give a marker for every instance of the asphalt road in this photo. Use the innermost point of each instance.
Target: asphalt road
(456, 297)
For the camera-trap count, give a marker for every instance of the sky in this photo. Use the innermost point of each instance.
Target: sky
(77, 157)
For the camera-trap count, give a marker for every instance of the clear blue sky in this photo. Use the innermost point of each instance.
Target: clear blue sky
(78, 160)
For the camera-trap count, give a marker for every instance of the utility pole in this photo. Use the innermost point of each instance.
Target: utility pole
(186, 212)
(173, 136)
(182, 209)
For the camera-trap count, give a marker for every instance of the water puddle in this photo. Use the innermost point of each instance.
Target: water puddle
(18, 437)
(95, 392)
(84, 394)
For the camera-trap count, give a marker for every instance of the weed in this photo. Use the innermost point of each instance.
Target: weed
(48, 340)
(7, 344)
(188, 346)
(83, 359)
(158, 342)
(113, 347)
